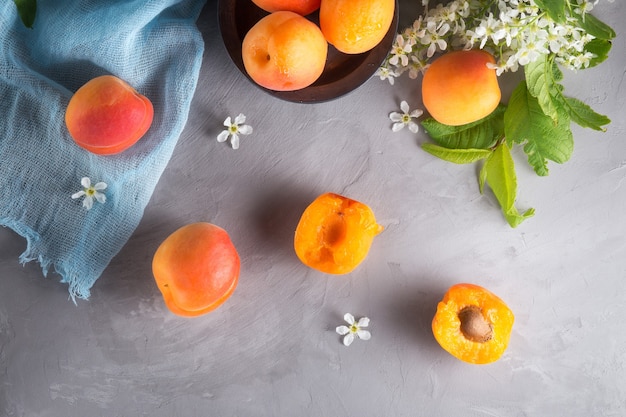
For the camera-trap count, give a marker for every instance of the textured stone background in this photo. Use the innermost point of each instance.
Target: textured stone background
(271, 349)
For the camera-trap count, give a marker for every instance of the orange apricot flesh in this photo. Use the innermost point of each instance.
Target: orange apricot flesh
(335, 234)
(107, 116)
(473, 324)
(196, 269)
(459, 88)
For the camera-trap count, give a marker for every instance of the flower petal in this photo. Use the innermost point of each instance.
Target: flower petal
(349, 318)
(234, 141)
(88, 202)
(342, 330)
(223, 136)
(363, 322)
(228, 122)
(397, 127)
(416, 113)
(78, 194)
(395, 116)
(348, 339)
(100, 186)
(101, 198)
(240, 119)
(364, 334)
(404, 106)
(85, 182)
(245, 129)
(413, 127)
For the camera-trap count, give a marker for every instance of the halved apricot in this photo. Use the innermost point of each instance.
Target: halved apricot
(473, 324)
(335, 234)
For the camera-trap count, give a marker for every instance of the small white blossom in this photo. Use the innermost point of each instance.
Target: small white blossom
(405, 118)
(354, 330)
(385, 73)
(234, 129)
(400, 50)
(90, 192)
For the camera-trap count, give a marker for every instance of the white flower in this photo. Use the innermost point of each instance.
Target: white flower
(405, 118)
(400, 50)
(354, 330)
(234, 129)
(385, 73)
(90, 192)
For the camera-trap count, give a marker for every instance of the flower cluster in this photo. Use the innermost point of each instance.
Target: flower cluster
(516, 32)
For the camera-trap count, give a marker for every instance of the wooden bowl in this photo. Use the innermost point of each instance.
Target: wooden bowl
(342, 73)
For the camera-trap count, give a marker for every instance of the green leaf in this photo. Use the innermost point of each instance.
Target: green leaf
(594, 26)
(585, 116)
(600, 48)
(545, 139)
(554, 8)
(541, 81)
(27, 10)
(481, 134)
(457, 156)
(499, 173)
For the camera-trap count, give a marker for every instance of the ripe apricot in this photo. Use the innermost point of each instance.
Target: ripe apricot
(356, 26)
(473, 324)
(196, 269)
(107, 116)
(335, 234)
(458, 87)
(284, 52)
(302, 7)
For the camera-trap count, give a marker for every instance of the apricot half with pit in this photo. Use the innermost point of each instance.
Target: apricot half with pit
(459, 88)
(473, 324)
(107, 116)
(335, 234)
(196, 269)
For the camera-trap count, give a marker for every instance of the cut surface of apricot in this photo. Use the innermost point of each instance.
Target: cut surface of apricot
(335, 234)
(196, 269)
(473, 324)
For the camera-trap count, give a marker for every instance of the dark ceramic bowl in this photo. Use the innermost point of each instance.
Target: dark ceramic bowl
(342, 73)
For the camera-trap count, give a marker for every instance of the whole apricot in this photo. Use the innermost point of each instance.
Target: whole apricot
(302, 7)
(107, 116)
(356, 26)
(335, 234)
(473, 324)
(459, 88)
(284, 52)
(196, 268)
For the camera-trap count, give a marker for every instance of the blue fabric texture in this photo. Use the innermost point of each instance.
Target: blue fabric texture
(156, 47)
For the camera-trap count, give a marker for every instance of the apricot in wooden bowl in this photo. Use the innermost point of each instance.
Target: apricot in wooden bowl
(284, 52)
(335, 234)
(196, 268)
(459, 88)
(473, 324)
(302, 7)
(356, 26)
(107, 116)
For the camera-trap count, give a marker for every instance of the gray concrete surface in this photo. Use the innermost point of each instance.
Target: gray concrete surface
(271, 350)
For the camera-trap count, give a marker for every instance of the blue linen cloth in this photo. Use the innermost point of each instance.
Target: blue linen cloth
(155, 46)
